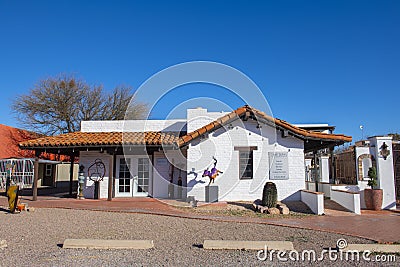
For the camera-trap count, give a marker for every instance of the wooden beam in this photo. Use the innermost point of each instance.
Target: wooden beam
(35, 176)
(111, 177)
(71, 173)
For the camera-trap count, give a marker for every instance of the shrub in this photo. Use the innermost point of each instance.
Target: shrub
(372, 177)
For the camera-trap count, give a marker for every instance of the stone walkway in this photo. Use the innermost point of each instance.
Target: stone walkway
(380, 226)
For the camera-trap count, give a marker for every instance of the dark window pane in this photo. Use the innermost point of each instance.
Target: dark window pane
(246, 164)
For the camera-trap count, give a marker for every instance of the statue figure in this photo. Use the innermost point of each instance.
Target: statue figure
(213, 173)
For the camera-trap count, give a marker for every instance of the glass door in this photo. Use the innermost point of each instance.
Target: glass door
(141, 180)
(124, 181)
(133, 176)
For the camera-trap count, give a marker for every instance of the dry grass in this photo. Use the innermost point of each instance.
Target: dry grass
(245, 209)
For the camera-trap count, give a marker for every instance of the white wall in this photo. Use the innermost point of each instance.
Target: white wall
(314, 200)
(134, 126)
(88, 158)
(347, 199)
(221, 144)
(324, 169)
(62, 172)
(162, 172)
(199, 117)
(361, 151)
(385, 171)
(325, 188)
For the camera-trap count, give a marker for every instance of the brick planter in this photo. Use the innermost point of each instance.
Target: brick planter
(373, 198)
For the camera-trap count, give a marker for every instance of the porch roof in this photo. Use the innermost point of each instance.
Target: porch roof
(101, 139)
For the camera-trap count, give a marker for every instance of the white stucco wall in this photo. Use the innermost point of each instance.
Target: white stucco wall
(162, 172)
(347, 199)
(134, 126)
(221, 144)
(385, 171)
(199, 117)
(361, 151)
(314, 200)
(88, 158)
(324, 169)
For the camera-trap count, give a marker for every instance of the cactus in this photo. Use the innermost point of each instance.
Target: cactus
(270, 195)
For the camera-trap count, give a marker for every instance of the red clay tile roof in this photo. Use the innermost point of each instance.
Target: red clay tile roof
(77, 139)
(249, 112)
(81, 139)
(9, 139)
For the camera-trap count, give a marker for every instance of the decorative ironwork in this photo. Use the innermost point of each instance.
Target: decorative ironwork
(97, 171)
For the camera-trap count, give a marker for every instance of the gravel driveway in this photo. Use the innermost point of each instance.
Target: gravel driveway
(35, 239)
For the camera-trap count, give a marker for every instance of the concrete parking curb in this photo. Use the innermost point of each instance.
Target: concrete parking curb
(247, 245)
(382, 248)
(108, 244)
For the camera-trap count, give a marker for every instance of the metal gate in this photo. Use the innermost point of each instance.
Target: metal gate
(396, 165)
(345, 163)
(20, 171)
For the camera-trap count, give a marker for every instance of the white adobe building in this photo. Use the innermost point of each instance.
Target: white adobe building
(153, 157)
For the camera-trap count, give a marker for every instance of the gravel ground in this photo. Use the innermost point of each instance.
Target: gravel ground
(35, 239)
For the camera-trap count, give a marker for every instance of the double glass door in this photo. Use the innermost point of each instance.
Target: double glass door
(133, 176)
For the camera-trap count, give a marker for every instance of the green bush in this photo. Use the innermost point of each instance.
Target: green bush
(372, 177)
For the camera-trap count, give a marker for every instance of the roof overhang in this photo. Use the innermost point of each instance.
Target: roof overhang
(312, 140)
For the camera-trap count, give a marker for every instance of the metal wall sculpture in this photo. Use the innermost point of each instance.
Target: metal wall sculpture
(213, 173)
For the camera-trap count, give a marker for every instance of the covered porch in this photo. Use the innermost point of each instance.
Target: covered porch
(126, 164)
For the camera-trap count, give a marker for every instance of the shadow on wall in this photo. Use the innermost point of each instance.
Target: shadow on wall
(293, 197)
(191, 183)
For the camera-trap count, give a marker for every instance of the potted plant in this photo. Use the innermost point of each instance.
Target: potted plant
(373, 196)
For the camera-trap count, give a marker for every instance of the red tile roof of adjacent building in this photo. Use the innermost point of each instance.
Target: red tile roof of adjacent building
(10, 137)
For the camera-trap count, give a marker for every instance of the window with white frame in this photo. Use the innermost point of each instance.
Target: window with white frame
(245, 162)
(48, 170)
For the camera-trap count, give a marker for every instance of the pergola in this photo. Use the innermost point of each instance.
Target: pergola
(112, 143)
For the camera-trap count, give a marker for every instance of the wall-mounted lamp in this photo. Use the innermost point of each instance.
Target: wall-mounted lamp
(384, 151)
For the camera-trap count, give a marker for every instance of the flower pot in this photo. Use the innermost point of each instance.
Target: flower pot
(373, 199)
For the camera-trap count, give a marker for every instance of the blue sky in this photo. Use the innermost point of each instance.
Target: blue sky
(315, 61)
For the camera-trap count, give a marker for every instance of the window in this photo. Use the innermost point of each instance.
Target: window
(124, 180)
(48, 169)
(245, 162)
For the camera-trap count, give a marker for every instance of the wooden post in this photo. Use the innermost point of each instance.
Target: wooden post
(35, 176)
(71, 174)
(111, 177)
(315, 170)
(332, 165)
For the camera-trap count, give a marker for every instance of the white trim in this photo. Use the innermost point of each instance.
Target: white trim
(133, 169)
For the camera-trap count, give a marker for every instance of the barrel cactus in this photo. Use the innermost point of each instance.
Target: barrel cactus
(270, 195)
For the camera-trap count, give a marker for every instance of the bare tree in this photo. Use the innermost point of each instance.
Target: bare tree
(58, 104)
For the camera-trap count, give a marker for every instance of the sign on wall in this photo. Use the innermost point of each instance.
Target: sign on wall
(279, 167)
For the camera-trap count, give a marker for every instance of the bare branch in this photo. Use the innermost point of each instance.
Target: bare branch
(58, 105)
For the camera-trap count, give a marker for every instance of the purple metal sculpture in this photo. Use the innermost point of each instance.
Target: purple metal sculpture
(213, 173)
